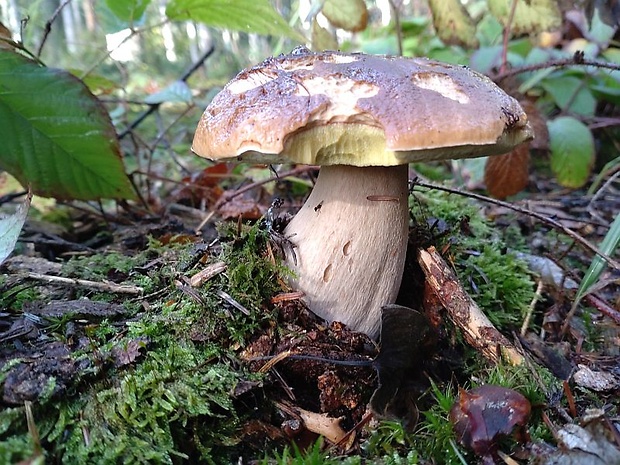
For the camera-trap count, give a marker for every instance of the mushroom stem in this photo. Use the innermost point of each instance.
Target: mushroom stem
(350, 242)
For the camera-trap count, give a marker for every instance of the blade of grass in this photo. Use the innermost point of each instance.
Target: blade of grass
(608, 246)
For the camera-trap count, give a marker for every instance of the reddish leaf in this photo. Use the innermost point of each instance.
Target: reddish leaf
(203, 186)
(484, 414)
(507, 174)
(247, 209)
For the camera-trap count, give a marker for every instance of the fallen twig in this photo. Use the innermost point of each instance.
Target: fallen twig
(478, 331)
(576, 60)
(551, 222)
(96, 285)
(153, 107)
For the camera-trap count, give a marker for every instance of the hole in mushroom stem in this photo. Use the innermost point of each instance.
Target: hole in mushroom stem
(346, 250)
(327, 273)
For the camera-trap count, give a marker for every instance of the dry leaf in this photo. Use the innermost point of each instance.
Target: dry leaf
(507, 174)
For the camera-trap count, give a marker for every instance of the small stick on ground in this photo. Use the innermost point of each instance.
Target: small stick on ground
(95, 285)
(478, 331)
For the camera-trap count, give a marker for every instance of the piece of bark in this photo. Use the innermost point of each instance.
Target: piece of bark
(478, 331)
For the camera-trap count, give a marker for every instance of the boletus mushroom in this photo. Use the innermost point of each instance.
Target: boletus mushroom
(361, 118)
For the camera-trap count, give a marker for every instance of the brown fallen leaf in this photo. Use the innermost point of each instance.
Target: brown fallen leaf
(507, 174)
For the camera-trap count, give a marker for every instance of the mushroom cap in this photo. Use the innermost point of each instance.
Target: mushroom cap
(333, 108)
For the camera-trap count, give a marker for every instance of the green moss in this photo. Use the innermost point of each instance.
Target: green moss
(174, 402)
(497, 280)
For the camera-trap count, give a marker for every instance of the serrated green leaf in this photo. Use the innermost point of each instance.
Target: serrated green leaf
(570, 94)
(251, 16)
(128, 10)
(531, 16)
(572, 151)
(350, 15)
(56, 136)
(10, 227)
(453, 23)
(608, 246)
(178, 91)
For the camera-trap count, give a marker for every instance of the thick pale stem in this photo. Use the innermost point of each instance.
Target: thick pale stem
(351, 241)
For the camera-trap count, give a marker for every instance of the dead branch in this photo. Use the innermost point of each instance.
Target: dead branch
(575, 60)
(554, 224)
(478, 331)
(95, 285)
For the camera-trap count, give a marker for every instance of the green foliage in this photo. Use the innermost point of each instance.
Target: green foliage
(436, 437)
(608, 246)
(128, 10)
(56, 136)
(314, 455)
(572, 150)
(251, 16)
(500, 282)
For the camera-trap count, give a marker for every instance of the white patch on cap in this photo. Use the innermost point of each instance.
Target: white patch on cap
(253, 80)
(336, 58)
(343, 95)
(441, 84)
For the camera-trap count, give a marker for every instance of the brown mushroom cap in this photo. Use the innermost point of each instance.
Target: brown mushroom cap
(335, 108)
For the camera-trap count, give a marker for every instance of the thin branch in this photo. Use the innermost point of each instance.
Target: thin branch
(132, 34)
(155, 106)
(576, 60)
(511, 18)
(555, 224)
(48, 25)
(98, 286)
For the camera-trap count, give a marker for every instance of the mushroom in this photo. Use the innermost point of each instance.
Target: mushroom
(363, 119)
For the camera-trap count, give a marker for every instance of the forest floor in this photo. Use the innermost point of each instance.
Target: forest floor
(127, 337)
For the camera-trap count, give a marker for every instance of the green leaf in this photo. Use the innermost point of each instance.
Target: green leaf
(350, 15)
(453, 23)
(10, 227)
(570, 93)
(178, 91)
(251, 16)
(608, 246)
(128, 10)
(56, 136)
(572, 151)
(530, 16)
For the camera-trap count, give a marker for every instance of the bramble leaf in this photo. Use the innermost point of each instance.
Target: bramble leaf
(56, 136)
(251, 16)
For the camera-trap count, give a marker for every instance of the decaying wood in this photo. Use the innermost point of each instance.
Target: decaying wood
(478, 331)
